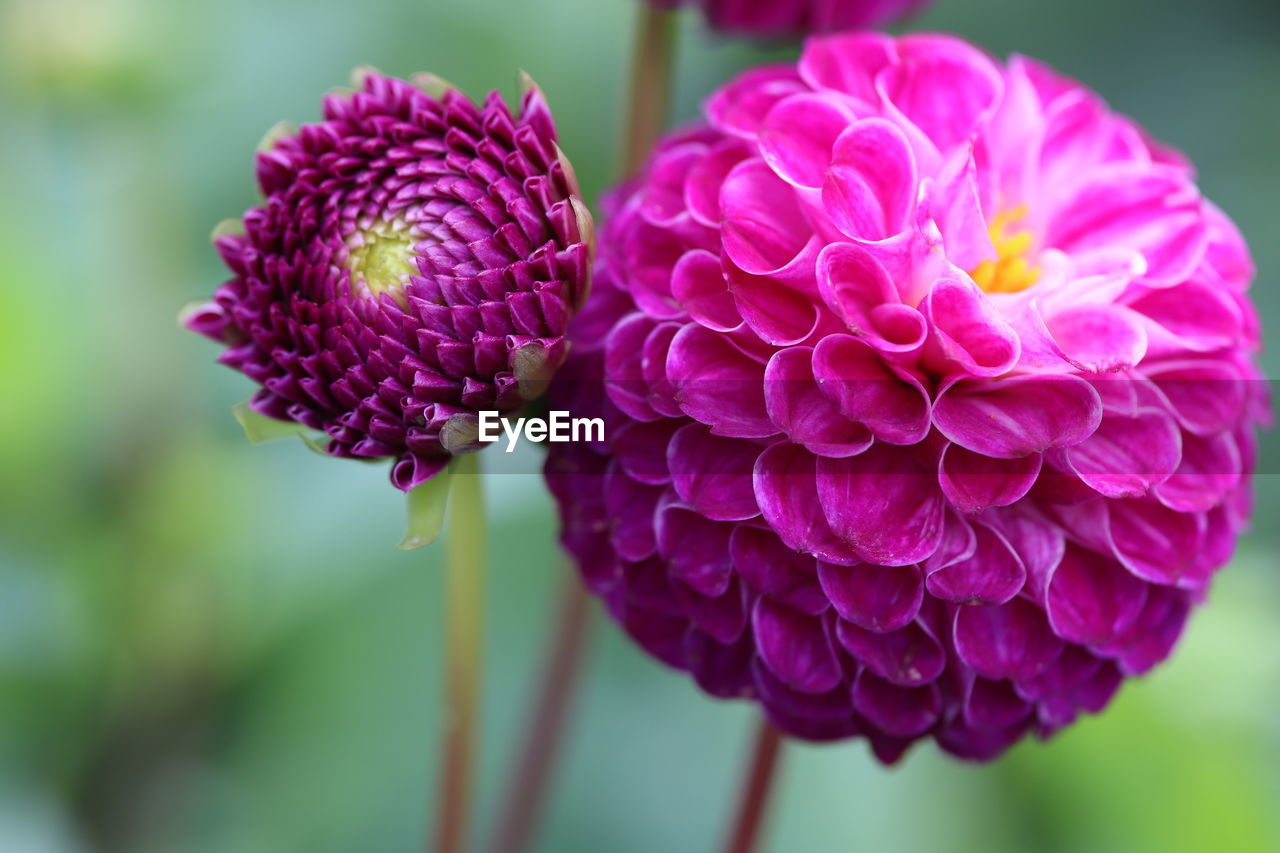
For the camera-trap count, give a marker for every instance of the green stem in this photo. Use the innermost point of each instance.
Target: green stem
(464, 615)
(651, 73)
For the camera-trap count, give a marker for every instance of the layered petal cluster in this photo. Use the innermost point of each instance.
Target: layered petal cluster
(417, 259)
(930, 397)
(773, 18)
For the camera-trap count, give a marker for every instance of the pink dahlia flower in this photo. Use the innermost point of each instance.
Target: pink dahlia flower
(417, 260)
(931, 397)
(788, 17)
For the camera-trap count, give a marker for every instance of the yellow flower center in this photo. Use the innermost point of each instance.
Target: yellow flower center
(1010, 272)
(381, 256)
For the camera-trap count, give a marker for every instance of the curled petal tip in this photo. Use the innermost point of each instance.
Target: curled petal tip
(361, 73)
(278, 131)
(433, 85)
(228, 227)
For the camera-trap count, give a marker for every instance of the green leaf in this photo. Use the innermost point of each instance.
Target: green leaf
(427, 504)
(259, 428)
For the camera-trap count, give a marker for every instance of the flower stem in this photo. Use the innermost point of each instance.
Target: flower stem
(745, 835)
(542, 737)
(651, 72)
(464, 646)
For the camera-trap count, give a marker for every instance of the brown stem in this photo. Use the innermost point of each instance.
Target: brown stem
(542, 737)
(745, 835)
(651, 72)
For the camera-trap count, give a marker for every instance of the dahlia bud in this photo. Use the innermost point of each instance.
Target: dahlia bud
(417, 260)
(772, 18)
(931, 397)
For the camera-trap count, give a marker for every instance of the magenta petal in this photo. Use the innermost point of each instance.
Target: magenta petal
(769, 566)
(1017, 415)
(1155, 211)
(1209, 470)
(884, 503)
(776, 313)
(1092, 599)
(870, 188)
(695, 549)
(718, 385)
(1011, 640)
(1097, 338)
(740, 107)
(878, 598)
(900, 711)
(968, 330)
(993, 574)
(764, 226)
(943, 86)
(786, 490)
(910, 656)
(795, 647)
(1195, 316)
(797, 406)
(799, 134)
(1126, 456)
(1207, 396)
(699, 285)
(1037, 542)
(1153, 634)
(994, 705)
(847, 63)
(858, 288)
(891, 403)
(631, 506)
(954, 205)
(973, 482)
(1155, 542)
(713, 474)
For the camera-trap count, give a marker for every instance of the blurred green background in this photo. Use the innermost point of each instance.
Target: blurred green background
(208, 646)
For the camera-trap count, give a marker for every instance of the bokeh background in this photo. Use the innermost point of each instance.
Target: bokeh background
(209, 646)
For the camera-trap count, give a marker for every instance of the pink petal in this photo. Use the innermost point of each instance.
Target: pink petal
(718, 385)
(878, 598)
(764, 226)
(968, 330)
(860, 291)
(740, 107)
(973, 482)
(698, 284)
(696, 550)
(884, 503)
(1126, 456)
(786, 490)
(952, 200)
(1209, 470)
(795, 647)
(1207, 396)
(847, 63)
(1011, 640)
(888, 401)
(1092, 599)
(942, 86)
(777, 314)
(769, 566)
(910, 656)
(870, 187)
(1155, 543)
(900, 711)
(803, 413)
(1019, 415)
(1155, 211)
(799, 134)
(992, 575)
(1098, 339)
(713, 474)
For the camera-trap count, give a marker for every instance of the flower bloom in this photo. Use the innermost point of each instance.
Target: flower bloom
(931, 398)
(417, 259)
(787, 17)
